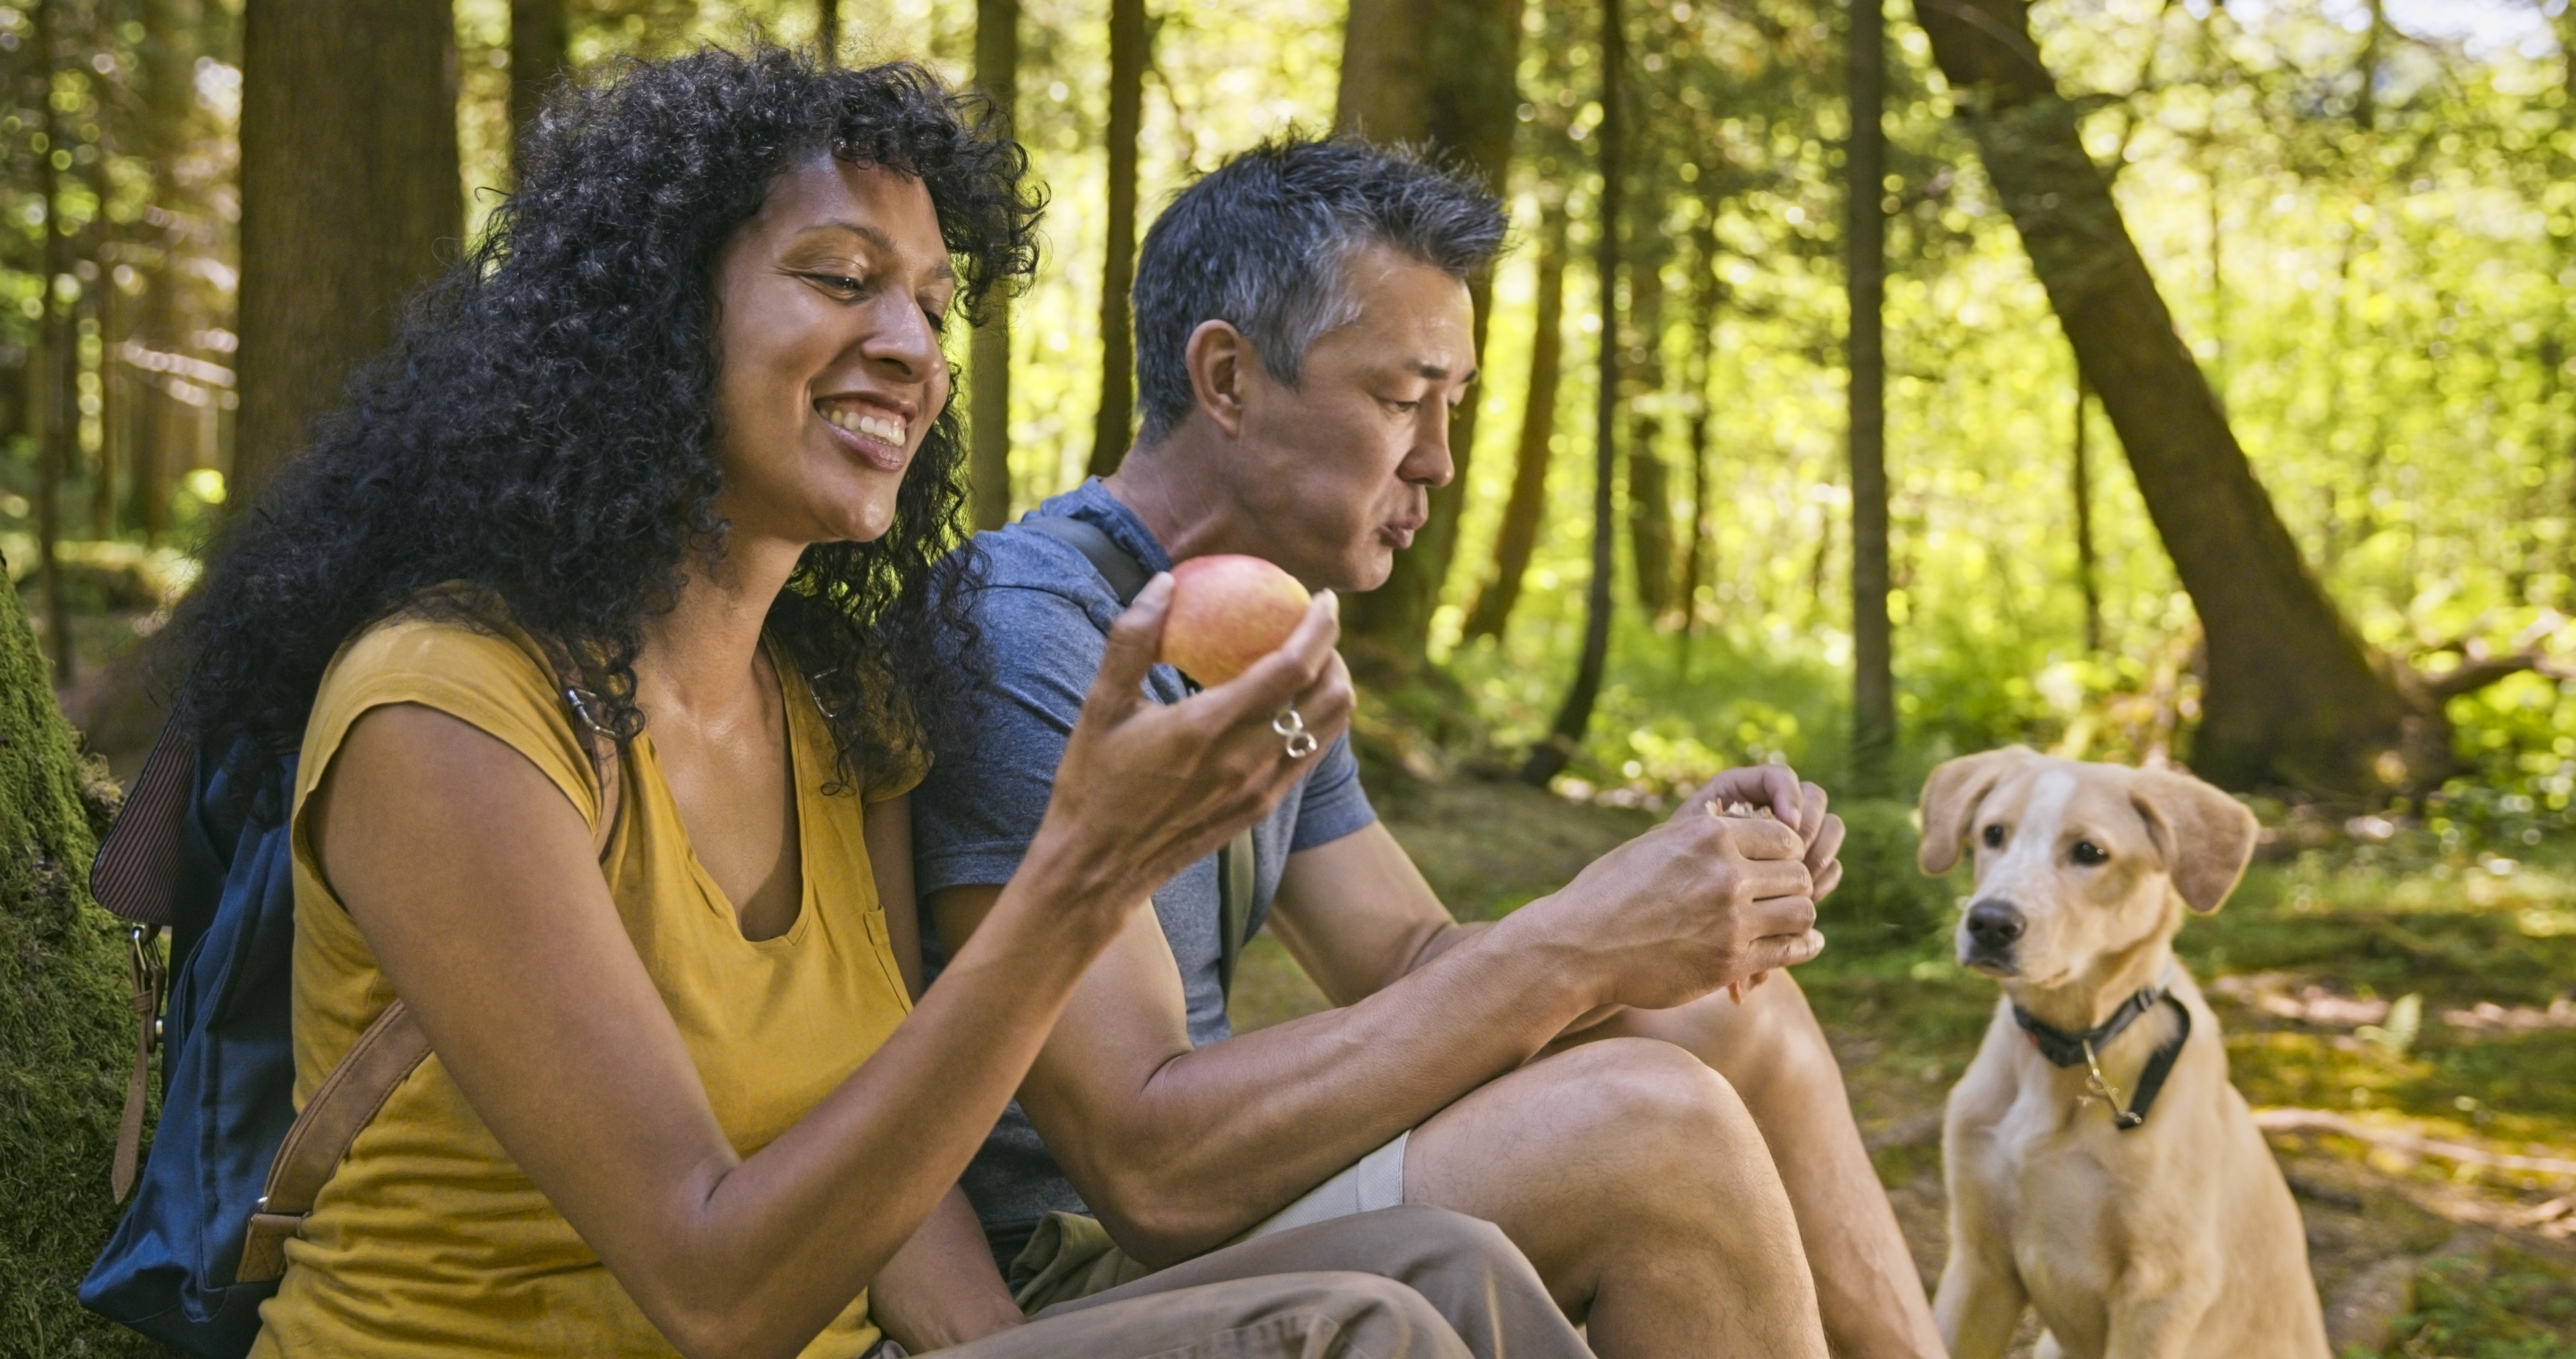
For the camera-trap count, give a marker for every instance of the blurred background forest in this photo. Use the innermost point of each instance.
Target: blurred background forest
(2303, 516)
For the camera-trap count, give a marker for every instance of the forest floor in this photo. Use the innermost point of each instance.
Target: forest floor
(2403, 1024)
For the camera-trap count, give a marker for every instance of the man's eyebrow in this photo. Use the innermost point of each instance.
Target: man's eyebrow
(876, 236)
(1433, 371)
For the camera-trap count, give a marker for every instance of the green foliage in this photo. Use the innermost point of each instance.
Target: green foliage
(2504, 1305)
(65, 1028)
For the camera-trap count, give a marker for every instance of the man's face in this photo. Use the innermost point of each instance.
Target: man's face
(1337, 471)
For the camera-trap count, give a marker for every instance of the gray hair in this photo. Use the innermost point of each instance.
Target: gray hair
(1264, 243)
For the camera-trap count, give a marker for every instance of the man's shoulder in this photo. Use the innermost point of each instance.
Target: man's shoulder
(1031, 579)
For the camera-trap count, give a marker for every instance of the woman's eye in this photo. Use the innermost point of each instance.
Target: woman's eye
(1995, 836)
(2089, 854)
(840, 283)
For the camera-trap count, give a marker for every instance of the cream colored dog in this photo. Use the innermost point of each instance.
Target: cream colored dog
(2171, 1235)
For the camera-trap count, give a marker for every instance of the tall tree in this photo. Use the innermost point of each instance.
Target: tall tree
(2088, 572)
(1439, 74)
(169, 107)
(1650, 489)
(2294, 696)
(1707, 292)
(997, 74)
(66, 1007)
(1865, 243)
(827, 29)
(1518, 535)
(540, 48)
(1114, 426)
(1565, 735)
(349, 191)
(55, 359)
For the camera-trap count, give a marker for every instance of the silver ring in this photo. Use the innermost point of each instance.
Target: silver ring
(1290, 727)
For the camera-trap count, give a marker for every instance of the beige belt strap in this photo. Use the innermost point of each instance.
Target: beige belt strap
(383, 1056)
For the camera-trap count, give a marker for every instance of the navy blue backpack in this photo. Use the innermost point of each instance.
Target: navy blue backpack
(232, 1166)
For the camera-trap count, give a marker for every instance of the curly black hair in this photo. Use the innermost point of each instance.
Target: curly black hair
(543, 428)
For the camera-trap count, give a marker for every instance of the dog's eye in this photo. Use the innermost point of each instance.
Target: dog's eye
(1995, 836)
(2089, 854)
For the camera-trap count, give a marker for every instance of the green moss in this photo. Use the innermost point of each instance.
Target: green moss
(66, 1032)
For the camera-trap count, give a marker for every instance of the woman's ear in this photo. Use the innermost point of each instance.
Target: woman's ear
(1950, 799)
(2206, 836)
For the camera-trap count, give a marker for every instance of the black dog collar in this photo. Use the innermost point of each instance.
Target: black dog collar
(2078, 1049)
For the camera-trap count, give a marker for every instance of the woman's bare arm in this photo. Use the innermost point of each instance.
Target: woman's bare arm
(474, 881)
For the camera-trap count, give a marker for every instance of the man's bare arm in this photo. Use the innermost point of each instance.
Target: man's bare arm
(1179, 1148)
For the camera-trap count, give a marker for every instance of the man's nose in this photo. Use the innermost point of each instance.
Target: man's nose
(1994, 925)
(1428, 462)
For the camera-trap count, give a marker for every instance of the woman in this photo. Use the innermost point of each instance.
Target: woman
(600, 622)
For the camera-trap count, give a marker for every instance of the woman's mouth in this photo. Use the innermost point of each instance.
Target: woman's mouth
(878, 436)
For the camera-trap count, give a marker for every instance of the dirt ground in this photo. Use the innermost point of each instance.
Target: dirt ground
(2430, 1139)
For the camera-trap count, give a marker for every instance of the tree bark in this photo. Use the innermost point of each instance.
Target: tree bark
(540, 48)
(827, 29)
(56, 360)
(1114, 428)
(997, 74)
(1865, 245)
(2087, 571)
(350, 195)
(65, 1011)
(1650, 487)
(1707, 291)
(169, 110)
(1522, 513)
(105, 304)
(2293, 697)
(1440, 74)
(1565, 735)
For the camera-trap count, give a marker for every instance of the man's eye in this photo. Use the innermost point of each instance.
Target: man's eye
(2089, 854)
(1995, 836)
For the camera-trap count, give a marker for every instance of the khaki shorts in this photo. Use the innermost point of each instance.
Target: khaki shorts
(1071, 1256)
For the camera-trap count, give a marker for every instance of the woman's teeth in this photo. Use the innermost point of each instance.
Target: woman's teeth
(882, 428)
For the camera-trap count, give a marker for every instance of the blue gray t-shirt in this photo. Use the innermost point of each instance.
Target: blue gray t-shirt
(1045, 613)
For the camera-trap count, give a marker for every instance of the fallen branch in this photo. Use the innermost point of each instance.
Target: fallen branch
(2325, 1121)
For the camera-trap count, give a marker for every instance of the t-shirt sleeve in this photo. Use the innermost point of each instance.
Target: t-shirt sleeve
(975, 814)
(1331, 804)
(490, 682)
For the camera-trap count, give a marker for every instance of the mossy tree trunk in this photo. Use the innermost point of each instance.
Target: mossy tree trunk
(66, 1026)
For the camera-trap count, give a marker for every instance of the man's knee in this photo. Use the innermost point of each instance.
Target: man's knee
(1644, 1088)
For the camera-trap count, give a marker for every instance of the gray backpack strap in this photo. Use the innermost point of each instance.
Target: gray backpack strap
(1234, 876)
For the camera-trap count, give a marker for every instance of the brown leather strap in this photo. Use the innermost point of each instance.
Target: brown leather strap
(383, 1056)
(143, 963)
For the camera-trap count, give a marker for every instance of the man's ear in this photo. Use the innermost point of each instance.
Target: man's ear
(1950, 799)
(2206, 836)
(1219, 359)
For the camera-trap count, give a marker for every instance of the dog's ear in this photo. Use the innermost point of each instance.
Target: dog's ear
(2206, 836)
(1950, 799)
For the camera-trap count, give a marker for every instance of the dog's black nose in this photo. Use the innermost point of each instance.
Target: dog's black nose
(1994, 925)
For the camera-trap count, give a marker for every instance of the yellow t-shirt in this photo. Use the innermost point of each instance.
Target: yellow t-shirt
(429, 1241)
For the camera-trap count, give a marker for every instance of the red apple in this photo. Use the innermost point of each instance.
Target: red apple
(1227, 612)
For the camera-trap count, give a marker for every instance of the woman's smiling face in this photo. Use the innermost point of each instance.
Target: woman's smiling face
(829, 303)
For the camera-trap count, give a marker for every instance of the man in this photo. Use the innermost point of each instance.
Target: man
(1575, 1072)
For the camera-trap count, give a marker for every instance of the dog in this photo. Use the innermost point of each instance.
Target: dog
(2100, 1167)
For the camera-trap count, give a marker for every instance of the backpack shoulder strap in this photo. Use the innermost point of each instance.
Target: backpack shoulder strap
(1234, 871)
(387, 1053)
(137, 877)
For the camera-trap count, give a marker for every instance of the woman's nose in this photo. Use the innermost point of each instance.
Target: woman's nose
(902, 338)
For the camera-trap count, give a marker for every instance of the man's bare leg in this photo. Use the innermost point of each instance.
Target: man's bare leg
(1632, 1177)
(1774, 1054)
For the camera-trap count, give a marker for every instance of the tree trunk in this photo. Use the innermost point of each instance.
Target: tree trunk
(997, 74)
(1527, 507)
(105, 301)
(1650, 484)
(1441, 74)
(1865, 244)
(2087, 571)
(349, 196)
(1114, 428)
(169, 95)
(1707, 291)
(57, 359)
(2294, 697)
(1565, 736)
(65, 1013)
(827, 29)
(540, 47)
